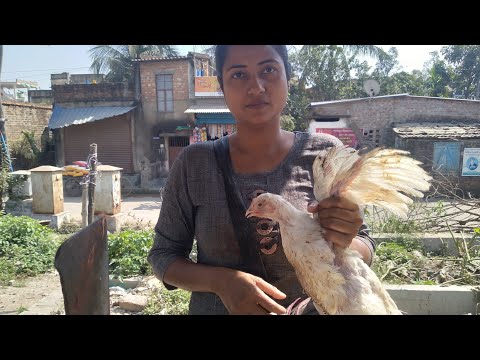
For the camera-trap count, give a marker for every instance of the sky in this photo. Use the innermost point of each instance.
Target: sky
(37, 62)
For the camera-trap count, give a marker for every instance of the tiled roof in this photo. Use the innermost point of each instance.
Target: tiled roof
(438, 130)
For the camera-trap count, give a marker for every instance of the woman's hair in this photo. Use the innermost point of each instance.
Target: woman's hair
(222, 50)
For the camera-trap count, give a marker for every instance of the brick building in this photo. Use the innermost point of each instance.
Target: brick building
(101, 113)
(179, 95)
(142, 127)
(435, 130)
(22, 116)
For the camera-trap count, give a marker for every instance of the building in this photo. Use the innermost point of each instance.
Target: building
(101, 113)
(44, 97)
(181, 103)
(437, 131)
(142, 127)
(26, 117)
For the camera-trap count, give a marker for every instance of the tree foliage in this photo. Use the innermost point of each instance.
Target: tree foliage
(465, 60)
(116, 60)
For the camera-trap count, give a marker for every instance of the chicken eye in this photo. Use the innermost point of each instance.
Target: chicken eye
(260, 204)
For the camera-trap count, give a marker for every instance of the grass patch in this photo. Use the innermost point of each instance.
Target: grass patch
(165, 302)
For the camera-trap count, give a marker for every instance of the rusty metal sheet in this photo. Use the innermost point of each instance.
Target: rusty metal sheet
(82, 262)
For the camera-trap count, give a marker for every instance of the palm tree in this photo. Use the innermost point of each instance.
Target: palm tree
(116, 60)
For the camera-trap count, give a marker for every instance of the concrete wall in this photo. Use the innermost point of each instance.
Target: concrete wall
(40, 97)
(86, 78)
(60, 79)
(435, 299)
(22, 116)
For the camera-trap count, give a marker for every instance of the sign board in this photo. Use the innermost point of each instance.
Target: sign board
(27, 84)
(345, 135)
(207, 86)
(471, 162)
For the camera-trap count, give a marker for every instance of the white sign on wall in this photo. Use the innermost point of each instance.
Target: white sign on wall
(471, 162)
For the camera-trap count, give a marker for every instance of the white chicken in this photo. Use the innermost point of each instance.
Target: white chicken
(337, 280)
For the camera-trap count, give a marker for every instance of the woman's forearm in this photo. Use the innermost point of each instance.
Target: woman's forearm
(191, 276)
(363, 249)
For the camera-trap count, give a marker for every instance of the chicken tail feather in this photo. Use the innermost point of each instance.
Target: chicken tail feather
(383, 177)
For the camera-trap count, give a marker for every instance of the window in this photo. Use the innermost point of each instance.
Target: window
(446, 157)
(372, 137)
(164, 93)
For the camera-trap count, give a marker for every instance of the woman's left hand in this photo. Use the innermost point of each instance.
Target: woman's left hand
(340, 218)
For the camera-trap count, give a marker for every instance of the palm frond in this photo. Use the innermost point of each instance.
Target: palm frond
(116, 60)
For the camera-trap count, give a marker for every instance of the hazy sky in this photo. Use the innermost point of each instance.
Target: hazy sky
(37, 62)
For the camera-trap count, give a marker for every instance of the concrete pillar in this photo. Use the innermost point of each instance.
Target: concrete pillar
(107, 190)
(47, 190)
(23, 189)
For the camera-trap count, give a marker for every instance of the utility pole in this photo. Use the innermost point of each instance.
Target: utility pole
(3, 135)
(2, 117)
(92, 182)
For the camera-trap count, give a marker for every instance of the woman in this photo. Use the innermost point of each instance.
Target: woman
(262, 157)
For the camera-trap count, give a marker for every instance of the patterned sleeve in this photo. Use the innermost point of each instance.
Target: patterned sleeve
(174, 231)
(364, 236)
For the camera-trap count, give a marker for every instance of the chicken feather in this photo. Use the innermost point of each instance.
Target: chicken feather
(338, 280)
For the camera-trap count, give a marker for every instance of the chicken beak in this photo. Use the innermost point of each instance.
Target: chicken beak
(248, 213)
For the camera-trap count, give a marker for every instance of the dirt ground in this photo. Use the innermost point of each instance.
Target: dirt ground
(25, 293)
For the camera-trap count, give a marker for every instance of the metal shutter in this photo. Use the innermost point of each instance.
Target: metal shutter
(112, 137)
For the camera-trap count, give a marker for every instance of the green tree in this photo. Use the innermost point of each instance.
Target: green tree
(116, 60)
(323, 72)
(466, 67)
(326, 69)
(440, 75)
(287, 123)
(386, 63)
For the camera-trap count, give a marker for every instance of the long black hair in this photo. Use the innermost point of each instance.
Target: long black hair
(222, 50)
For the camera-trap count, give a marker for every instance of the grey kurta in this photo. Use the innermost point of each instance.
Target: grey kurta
(195, 205)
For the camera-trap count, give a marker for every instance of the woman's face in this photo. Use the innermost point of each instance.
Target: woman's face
(254, 83)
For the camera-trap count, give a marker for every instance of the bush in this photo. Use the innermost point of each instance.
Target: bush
(128, 252)
(26, 247)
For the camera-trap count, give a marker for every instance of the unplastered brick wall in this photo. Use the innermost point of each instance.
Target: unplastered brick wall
(85, 93)
(422, 150)
(380, 113)
(182, 76)
(25, 117)
(179, 69)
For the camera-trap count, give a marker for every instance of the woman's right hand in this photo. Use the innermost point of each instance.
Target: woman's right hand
(246, 294)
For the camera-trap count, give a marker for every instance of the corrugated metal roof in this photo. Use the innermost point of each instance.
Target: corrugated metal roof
(62, 117)
(438, 130)
(207, 109)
